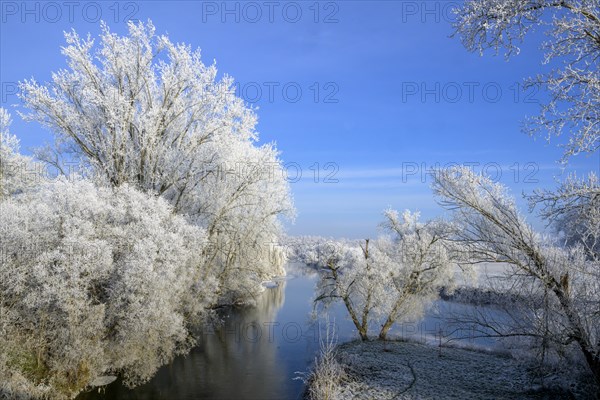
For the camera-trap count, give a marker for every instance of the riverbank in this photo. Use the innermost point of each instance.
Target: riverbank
(406, 370)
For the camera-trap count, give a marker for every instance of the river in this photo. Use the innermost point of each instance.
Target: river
(258, 351)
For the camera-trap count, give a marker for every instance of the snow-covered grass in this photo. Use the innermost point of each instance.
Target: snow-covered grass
(323, 381)
(407, 370)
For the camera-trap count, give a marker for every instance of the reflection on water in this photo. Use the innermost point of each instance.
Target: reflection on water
(257, 351)
(253, 355)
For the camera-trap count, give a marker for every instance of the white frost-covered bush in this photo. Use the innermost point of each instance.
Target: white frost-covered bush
(94, 281)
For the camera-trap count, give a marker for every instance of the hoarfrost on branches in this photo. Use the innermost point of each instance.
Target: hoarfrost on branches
(574, 212)
(572, 49)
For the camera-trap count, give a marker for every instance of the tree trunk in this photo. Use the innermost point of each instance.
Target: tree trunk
(391, 319)
(363, 336)
(593, 362)
(385, 328)
(362, 329)
(579, 333)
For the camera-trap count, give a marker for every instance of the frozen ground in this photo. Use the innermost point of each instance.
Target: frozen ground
(404, 370)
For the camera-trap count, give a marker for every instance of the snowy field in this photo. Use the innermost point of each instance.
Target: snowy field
(404, 370)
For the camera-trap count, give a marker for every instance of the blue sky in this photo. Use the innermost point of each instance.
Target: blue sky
(371, 94)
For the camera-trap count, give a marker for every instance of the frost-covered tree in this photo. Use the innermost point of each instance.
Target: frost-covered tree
(390, 279)
(573, 49)
(421, 264)
(561, 287)
(17, 172)
(313, 251)
(573, 27)
(141, 110)
(348, 276)
(94, 281)
(240, 205)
